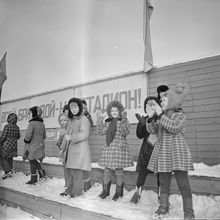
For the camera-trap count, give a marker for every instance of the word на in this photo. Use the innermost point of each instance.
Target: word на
(130, 99)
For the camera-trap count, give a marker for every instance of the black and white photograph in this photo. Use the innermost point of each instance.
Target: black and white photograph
(109, 109)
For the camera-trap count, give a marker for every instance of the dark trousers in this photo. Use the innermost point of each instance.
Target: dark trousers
(182, 180)
(7, 164)
(34, 166)
(142, 177)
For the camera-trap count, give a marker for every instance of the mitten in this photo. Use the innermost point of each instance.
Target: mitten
(25, 156)
(124, 116)
(141, 119)
(40, 159)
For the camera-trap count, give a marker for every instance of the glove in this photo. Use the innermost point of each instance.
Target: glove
(141, 119)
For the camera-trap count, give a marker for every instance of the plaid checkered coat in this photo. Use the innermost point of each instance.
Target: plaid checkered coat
(116, 155)
(8, 139)
(171, 151)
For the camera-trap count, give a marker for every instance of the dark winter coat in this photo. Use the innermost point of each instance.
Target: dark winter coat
(146, 147)
(34, 139)
(9, 137)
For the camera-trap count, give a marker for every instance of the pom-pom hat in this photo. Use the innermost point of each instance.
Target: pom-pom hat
(176, 95)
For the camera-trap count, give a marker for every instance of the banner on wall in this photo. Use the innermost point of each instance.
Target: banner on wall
(51, 104)
(130, 90)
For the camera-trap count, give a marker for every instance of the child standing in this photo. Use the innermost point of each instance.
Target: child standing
(75, 143)
(8, 144)
(171, 152)
(35, 149)
(63, 121)
(115, 155)
(145, 151)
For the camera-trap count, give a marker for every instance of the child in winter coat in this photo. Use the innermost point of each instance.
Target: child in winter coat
(75, 143)
(145, 151)
(63, 121)
(171, 152)
(115, 155)
(34, 149)
(8, 144)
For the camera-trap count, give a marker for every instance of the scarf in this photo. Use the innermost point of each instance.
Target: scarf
(112, 128)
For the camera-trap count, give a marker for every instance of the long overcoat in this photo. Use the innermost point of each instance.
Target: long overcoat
(77, 149)
(8, 138)
(116, 155)
(34, 139)
(171, 151)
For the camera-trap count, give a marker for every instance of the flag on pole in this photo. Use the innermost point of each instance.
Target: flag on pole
(3, 76)
(148, 57)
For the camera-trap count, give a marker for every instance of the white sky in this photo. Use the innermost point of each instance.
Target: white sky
(206, 207)
(53, 44)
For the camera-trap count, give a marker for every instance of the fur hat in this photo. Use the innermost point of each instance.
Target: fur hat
(116, 104)
(150, 98)
(176, 95)
(36, 111)
(161, 88)
(79, 103)
(84, 102)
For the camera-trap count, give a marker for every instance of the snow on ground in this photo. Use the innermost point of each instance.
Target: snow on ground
(201, 169)
(9, 213)
(206, 207)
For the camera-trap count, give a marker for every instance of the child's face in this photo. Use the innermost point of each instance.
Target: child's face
(114, 112)
(74, 108)
(63, 121)
(164, 100)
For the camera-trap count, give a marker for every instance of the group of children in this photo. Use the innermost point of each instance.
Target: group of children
(163, 151)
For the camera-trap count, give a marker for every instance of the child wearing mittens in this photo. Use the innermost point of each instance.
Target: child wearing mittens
(75, 144)
(115, 155)
(171, 152)
(63, 121)
(145, 152)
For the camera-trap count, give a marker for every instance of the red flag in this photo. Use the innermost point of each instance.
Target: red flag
(3, 76)
(148, 57)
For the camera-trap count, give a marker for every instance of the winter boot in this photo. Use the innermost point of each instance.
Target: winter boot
(87, 185)
(33, 179)
(7, 174)
(137, 195)
(163, 209)
(188, 209)
(105, 190)
(118, 192)
(42, 175)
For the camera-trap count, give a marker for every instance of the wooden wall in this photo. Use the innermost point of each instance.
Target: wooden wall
(202, 107)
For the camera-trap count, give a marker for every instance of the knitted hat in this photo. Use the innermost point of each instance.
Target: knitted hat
(161, 88)
(116, 104)
(150, 98)
(36, 111)
(176, 96)
(12, 118)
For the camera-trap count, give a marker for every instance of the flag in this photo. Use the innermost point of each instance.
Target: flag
(3, 76)
(148, 57)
